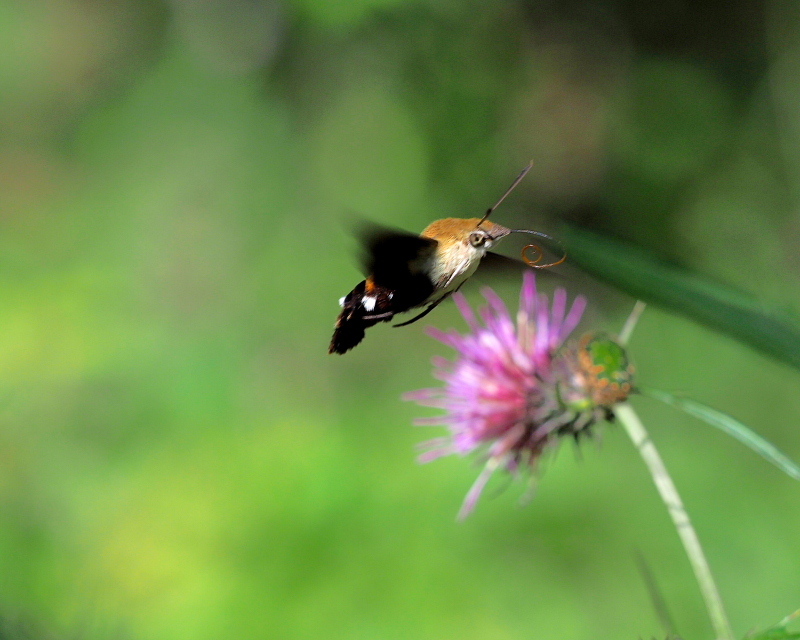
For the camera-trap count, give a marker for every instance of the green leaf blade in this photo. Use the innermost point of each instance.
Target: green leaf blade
(732, 427)
(778, 632)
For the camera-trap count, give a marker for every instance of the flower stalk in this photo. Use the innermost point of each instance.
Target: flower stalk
(672, 500)
(680, 518)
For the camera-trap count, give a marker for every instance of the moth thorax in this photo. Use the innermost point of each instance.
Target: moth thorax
(458, 229)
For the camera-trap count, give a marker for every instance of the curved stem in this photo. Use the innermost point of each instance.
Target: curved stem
(631, 322)
(680, 518)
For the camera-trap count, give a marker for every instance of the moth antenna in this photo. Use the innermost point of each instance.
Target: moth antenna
(540, 253)
(505, 195)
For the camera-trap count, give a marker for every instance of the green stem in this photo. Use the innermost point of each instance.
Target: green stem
(631, 322)
(680, 518)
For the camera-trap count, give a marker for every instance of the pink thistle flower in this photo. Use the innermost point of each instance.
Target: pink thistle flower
(503, 392)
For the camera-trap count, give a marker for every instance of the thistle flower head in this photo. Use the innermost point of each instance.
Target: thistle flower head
(515, 386)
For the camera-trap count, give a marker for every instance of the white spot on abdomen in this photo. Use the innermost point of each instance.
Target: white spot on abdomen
(341, 301)
(368, 302)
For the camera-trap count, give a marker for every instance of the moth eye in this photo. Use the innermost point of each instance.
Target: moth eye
(477, 239)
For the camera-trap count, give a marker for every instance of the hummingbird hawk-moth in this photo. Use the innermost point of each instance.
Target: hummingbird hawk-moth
(407, 271)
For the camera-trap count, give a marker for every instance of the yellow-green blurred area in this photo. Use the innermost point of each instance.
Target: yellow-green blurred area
(180, 458)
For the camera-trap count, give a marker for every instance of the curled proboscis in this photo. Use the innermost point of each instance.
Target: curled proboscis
(538, 252)
(532, 261)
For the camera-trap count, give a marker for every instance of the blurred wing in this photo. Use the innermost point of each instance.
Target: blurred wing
(495, 266)
(394, 258)
(494, 263)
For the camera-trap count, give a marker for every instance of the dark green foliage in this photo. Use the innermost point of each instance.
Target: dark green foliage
(690, 294)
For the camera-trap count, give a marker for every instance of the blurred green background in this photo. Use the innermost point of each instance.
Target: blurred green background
(179, 456)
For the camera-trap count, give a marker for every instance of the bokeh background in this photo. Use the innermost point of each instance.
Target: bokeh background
(179, 456)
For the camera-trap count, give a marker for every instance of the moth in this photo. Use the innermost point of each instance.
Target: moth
(407, 271)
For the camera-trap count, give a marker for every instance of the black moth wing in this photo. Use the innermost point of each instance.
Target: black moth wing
(392, 256)
(397, 261)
